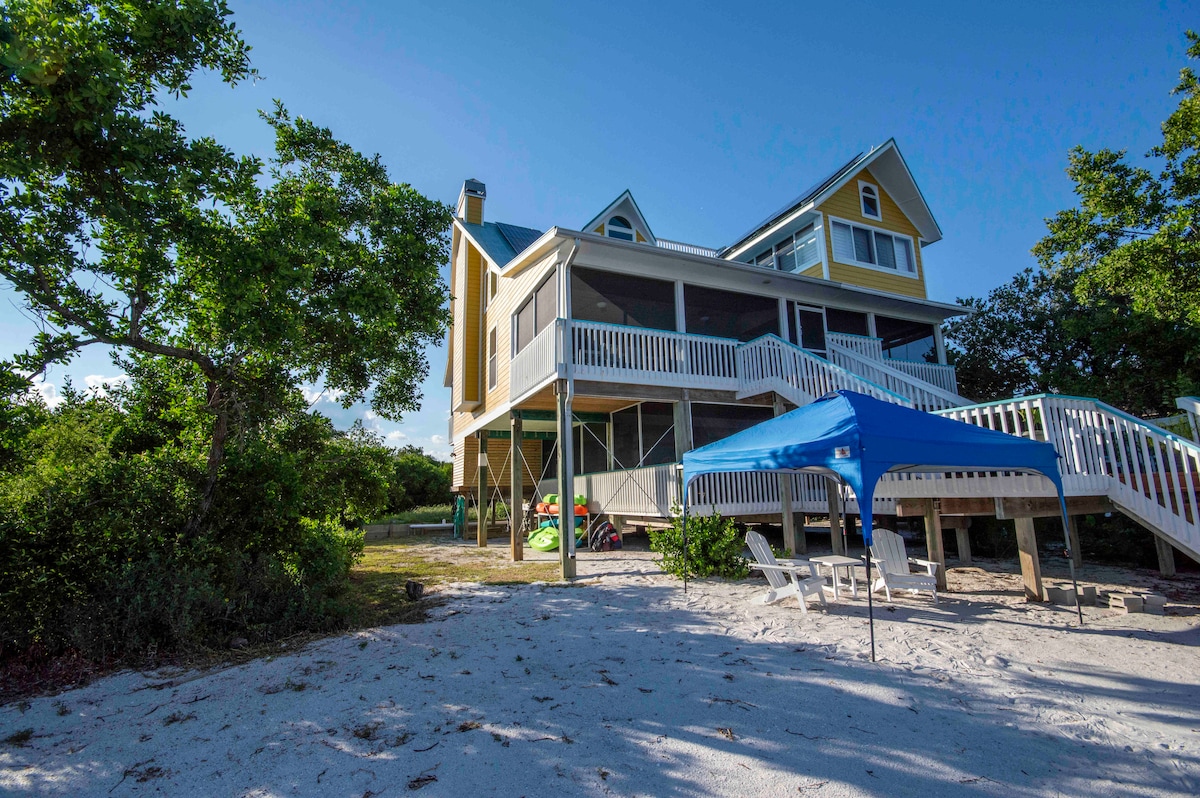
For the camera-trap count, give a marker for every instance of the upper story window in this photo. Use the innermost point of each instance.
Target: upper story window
(794, 254)
(491, 363)
(866, 246)
(870, 200)
(619, 227)
(535, 314)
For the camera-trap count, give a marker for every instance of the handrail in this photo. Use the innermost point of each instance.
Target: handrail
(923, 394)
(800, 370)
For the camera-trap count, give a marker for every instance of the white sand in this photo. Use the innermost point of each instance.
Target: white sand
(626, 686)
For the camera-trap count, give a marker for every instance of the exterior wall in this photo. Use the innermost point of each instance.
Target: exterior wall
(814, 271)
(465, 345)
(466, 461)
(844, 204)
(510, 295)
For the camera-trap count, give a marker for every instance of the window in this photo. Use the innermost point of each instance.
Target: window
(536, 314)
(709, 311)
(711, 423)
(864, 246)
(869, 195)
(619, 227)
(643, 435)
(906, 340)
(846, 321)
(794, 254)
(807, 327)
(492, 359)
(614, 298)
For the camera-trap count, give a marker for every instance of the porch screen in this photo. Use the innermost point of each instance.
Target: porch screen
(622, 299)
(711, 423)
(709, 311)
(906, 340)
(846, 321)
(637, 432)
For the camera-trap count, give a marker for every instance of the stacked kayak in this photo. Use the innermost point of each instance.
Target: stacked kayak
(545, 537)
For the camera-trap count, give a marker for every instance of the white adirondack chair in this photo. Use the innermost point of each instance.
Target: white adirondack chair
(797, 578)
(889, 554)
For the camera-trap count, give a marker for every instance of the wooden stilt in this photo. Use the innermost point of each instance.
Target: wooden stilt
(785, 497)
(1166, 557)
(481, 502)
(1073, 536)
(964, 546)
(835, 516)
(516, 488)
(933, 540)
(1031, 569)
(566, 482)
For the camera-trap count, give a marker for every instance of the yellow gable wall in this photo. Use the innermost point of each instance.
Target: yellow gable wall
(844, 204)
(466, 345)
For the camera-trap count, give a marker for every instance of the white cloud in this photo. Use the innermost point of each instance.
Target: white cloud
(48, 392)
(370, 415)
(437, 440)
(96, 383)
(313, 394)
(395, 436)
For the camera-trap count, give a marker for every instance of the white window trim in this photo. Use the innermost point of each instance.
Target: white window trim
(915, 274)
(878, 201)
(609, 227)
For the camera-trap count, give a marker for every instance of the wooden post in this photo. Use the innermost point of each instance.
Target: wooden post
(964, 545)
(1031, 569)
(516, 488)
(835, 515)
(788, 518)
(1073, 536)
(933, 540)
(481, 502)
(566, 482)
(1166, 557)
(618, 523)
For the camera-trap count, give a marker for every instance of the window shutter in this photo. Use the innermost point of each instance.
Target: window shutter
(885, 246)
(904, 258)
(843, 244)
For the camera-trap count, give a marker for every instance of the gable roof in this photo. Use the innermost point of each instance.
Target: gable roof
(627, 199)
(888, 167)
(501, 242)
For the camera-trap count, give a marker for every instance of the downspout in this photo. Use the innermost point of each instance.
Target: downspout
(566, 512)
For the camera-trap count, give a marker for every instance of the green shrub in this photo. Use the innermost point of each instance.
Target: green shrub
(714, 548)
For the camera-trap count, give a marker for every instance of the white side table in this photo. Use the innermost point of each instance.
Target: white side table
(836, 561)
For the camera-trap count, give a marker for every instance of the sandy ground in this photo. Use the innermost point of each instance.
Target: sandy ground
(624, 685)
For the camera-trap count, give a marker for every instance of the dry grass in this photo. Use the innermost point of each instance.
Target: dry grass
(377, 582)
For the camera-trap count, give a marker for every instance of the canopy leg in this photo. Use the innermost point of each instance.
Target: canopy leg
(870, 604)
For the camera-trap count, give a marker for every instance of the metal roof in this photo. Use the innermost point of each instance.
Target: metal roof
(518, 237)
(501, 242)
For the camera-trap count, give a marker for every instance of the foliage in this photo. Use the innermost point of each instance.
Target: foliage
(117, 229)
(417, 479)
(1034, 335)
(1115, 310)
(92, 558)
(714, 548)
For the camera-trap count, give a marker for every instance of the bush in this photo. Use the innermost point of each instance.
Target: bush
(714, 548)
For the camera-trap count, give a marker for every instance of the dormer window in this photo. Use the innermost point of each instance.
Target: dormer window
(870, 200)
(619, 227)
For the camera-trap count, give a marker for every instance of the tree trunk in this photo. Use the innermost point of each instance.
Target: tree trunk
(216, 455)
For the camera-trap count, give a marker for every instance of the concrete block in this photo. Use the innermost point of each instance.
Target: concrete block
(1125, 602)
(1087, 595)
(1153, 603)
(1056, 594)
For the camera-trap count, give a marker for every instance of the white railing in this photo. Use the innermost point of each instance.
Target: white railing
(924, 395)
(539, 361)
(653, 492)
(690, 249)
(865, 345)
(771, 364)
(1190, 405)
(616, 353)
(1148, 473)
(938, 374)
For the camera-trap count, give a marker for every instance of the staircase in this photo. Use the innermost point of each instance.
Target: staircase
(1149, 474)
(770, 363)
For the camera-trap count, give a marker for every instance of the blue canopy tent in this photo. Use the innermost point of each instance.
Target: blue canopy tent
(858, 439)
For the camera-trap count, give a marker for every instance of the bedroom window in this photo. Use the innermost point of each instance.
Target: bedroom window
(869, 195)
(491, 364)
(866, 246)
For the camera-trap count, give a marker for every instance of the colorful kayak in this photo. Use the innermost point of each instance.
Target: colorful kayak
(544, 539)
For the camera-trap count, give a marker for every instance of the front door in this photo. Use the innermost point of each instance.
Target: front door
(810, 324)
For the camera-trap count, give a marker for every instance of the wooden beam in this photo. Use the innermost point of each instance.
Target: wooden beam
(933, 540)
(1009, 507)
(516, 489)
(788, 521)
(835, 515)
(1031, 569)
(566, 481)
(1166, 557)
(1073, 537)
(915, 508)
(964, 546)
(481, 500)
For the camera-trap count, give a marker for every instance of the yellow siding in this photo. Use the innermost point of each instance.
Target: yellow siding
(472, 338)
(814, 271)
(599, 230)
(641, 238)
(474, 210)
(844, 204)
(511, 294)
(466, 461)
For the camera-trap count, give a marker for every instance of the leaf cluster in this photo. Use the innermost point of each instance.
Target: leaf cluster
(714, 548)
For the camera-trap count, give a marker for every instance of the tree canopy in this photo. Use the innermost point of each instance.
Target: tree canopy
(1113, 311)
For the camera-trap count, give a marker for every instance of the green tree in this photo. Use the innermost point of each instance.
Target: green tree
(118, 229)
(418, 480)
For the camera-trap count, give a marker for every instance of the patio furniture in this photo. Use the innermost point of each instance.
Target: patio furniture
(834, 562)
(888, 552)
(786, 577)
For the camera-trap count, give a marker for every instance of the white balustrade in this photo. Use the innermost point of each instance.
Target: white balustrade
(690, 249)
(939, 374)
(539, 361)
(771, 364)
(924, 395)
(865, 345)
(616, 353)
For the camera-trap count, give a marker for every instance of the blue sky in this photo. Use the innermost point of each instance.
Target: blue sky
(713, 114)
